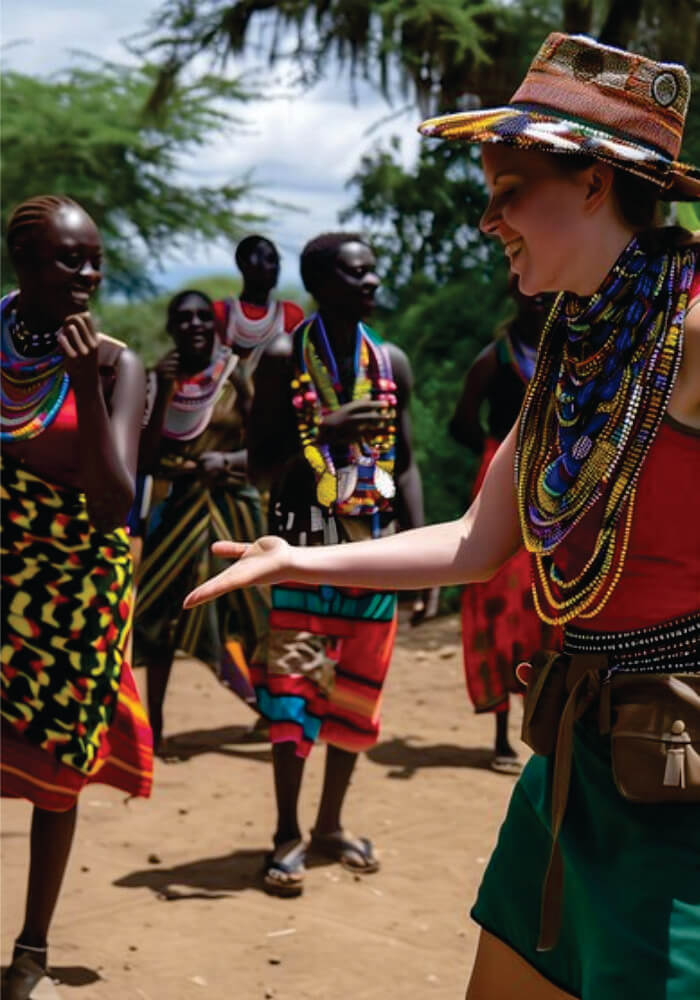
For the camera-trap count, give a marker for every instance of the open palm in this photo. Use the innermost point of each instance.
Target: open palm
(265, 561)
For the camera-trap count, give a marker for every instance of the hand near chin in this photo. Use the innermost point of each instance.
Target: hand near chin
(79, 341)
(268, 560)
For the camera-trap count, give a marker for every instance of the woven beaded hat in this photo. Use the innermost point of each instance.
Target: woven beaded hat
(582, 97)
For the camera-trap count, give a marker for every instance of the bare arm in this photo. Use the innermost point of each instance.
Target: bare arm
(108, 444)
(165, 372)
(410, 512)
(409, 498)
(465, 425)
(271, 432)
(463, 551)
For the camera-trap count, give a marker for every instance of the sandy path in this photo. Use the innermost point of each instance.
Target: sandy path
(162, 899)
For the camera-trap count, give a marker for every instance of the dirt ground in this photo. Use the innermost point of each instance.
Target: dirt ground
(163, 899)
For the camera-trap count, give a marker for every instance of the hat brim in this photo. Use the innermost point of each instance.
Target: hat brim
(536, 128)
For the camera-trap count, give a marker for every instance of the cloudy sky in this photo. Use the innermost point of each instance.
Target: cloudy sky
(300, 149)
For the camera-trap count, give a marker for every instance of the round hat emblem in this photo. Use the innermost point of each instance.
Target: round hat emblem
(665, 88)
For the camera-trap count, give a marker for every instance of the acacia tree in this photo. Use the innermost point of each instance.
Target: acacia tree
(429, 52)
(83, 132)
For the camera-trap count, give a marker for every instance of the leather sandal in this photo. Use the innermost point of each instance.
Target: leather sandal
(26, 979)
(285, 869)
(356, 854)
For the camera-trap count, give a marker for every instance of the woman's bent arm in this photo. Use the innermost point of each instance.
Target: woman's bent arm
(463, 551)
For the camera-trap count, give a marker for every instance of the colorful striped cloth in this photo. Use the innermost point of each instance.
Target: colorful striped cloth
(227, 634)
(69, 704)
(328, 655)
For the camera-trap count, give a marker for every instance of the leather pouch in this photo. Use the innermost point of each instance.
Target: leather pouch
(655, 736)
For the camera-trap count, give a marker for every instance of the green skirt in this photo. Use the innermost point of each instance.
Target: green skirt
(631, 912)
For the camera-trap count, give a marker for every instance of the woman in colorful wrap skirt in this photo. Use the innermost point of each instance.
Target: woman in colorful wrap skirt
(194, 448)
(599, 480)
(72, 402)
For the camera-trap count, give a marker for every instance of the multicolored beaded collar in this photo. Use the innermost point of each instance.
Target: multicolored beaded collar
(195, 396)
(604, 376)
(33, 388)
(360, 480)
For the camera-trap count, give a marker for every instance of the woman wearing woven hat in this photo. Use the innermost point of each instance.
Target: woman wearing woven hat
(600, 849)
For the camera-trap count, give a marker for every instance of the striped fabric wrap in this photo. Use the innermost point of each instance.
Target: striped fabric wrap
(328, 655)
(228, 634)
(67, 692)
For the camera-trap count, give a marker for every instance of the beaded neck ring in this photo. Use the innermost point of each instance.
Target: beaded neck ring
(588, 421)
(195, 396)
(359, 479)
(34, 386)
(246, 332)
(31, 345)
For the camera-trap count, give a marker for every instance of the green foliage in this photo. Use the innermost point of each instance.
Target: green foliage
(423, 222)
(416, 48)
(689, 216)
(429, 52)
(141, 325)
(83, 132)
(442, 332)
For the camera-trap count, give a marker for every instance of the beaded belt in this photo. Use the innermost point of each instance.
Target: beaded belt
(671, 647)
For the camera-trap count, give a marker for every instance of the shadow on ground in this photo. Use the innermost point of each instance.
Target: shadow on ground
(206, 878)
(229, 741)
(70, 975)
(210, 878)
(406, 755)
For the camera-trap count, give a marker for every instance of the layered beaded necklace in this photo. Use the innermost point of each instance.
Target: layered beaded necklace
(250, 333)
(360, 480)
(34, 379)
(195, 395)
(604, 376)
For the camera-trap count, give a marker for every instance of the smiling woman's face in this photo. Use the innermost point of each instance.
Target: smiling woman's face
(537, 211)
(192, 328)
(64, 267)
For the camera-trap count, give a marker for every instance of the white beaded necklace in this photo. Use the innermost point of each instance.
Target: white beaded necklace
(245, 332)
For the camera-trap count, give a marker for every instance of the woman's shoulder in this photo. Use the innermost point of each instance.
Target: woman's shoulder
(121, 370)
(116, 355)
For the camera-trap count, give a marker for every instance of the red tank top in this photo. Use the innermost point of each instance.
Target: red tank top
(54, 454)
(661, 575)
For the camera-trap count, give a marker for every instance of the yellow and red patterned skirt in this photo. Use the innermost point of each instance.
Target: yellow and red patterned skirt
(70, 710)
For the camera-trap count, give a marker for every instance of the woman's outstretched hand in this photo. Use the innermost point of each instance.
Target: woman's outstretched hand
(268, 560)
